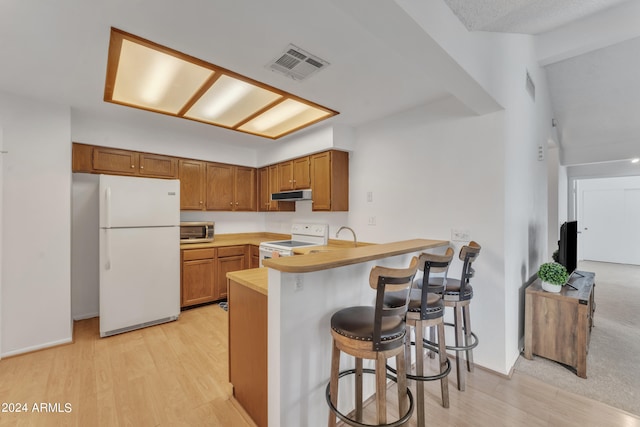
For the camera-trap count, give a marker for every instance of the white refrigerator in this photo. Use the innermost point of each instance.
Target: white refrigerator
(139, 252)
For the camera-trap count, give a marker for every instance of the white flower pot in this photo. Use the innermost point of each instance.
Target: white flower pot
(550, 287)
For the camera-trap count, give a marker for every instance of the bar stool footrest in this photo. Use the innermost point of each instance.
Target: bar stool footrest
(354, 423)
(435, 377)
(474, 341)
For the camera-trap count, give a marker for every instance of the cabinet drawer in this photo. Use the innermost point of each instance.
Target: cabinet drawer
(192, 254)
(231, 251)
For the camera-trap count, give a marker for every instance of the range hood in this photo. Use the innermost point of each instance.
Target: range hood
(292, 196)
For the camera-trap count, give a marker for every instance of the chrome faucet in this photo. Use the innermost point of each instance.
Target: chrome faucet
(355, 241)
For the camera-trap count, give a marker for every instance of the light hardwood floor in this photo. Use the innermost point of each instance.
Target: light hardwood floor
(176, 375)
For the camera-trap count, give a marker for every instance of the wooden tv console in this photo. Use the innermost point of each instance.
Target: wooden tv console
(557, 326)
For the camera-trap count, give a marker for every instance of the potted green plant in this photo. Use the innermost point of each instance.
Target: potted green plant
(553, 276)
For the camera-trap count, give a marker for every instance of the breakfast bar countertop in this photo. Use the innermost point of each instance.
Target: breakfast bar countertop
(253, 278)
(327, 259)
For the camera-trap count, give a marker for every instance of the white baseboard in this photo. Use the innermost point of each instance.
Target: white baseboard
(85, 316)
(36, 347)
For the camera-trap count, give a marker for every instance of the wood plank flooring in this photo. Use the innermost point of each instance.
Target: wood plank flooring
(176, 375)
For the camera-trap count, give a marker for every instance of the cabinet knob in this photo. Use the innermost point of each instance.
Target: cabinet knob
(141, 167)
(237, 203)
(231, 203)
(133, 166)
(200, 201)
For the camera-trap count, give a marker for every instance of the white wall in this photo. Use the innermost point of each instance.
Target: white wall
(431, 169)
(36, 212)
(85, 251)
(180, 138)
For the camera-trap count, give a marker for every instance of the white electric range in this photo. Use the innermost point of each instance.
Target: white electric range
(301, 235)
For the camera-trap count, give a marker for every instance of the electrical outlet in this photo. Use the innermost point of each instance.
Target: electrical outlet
(299, 283)
(369, 196)
(460, 235)
(372, 220)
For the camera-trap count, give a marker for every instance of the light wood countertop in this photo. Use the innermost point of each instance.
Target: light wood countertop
(253, 278)
(333, 258)
(233, 239)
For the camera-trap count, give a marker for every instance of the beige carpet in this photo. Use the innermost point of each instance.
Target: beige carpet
(613, 369)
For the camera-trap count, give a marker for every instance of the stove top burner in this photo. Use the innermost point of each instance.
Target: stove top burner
(289, 243)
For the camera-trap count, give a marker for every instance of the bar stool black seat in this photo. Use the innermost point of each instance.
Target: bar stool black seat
(375, 333)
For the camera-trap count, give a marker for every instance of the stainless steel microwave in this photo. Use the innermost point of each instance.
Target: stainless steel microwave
(196, 232)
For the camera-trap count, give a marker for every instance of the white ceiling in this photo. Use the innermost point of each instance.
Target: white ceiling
(592, 68)
(57, 50)
(524, 16)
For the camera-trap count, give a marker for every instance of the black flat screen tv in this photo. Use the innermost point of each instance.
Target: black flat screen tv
(568, 245)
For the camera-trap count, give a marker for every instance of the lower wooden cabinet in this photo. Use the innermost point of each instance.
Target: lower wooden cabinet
(230, 258)
(254, 256)
(198, 277)
(203, 274)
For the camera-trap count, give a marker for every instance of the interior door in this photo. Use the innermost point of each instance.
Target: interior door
(632, 225)
(602, 226)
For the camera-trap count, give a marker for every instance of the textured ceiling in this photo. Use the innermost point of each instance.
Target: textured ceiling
(524, 16)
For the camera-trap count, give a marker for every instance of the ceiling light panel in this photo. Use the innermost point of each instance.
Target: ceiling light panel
(155, 80)
(146, 75)
(286, 117)
(230, 101)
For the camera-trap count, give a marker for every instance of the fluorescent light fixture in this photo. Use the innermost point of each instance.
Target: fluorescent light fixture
(143, 74)
(636, 160)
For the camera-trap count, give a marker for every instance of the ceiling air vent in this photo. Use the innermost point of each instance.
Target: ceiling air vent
(297, 63)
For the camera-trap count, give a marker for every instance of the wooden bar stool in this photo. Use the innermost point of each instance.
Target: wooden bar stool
(375, 333)
(426, 310)
(458, 294)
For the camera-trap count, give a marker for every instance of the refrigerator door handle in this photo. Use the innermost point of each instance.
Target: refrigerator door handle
(107, 244)
(108, 207)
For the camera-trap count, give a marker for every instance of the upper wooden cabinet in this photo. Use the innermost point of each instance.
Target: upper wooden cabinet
(330, 181)
(87, 158)
(154, 165)
(192, 175)
(224, 187)
(294, 174)
(268, 183)
(264, 195)
(230, 188)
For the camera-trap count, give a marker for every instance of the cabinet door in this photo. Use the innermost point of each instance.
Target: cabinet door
(156, 166)
(110, 160)
(264, 195)
(192, 184)
(244, 189)
(285, 176)
(321, 181)
(220, 187)
(225, 265)
(198, 284)
(330, 181)
(274, 187)
(301, 173)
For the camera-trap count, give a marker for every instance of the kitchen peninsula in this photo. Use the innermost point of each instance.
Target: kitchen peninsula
(279, 323)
